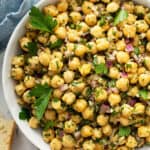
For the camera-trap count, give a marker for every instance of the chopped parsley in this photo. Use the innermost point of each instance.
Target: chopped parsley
(102, 21)
(40, 21)
(56, 44)
(42, 94)
(124, 131)
(24, 114)
(137, 51)
(32, 48)
(143, 94)
(49, 124)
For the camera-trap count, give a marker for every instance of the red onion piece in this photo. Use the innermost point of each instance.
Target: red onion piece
(61, 133)
(129, 48)
(132, 102)
(105, 108)
(124, 75)
(64, 87)
(109, 63)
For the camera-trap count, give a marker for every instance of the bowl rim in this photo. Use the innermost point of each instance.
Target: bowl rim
(37, 144)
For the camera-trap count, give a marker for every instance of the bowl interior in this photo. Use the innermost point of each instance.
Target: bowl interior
(8, 84)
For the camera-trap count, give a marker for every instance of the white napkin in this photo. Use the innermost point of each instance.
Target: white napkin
(144, 2)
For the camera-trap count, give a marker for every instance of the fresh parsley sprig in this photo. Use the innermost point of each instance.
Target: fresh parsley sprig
(124, 131)
(42, 94)
(33, 48)
(40, 21)
(24, 114)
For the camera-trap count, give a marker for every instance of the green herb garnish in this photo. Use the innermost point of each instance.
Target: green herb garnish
(124, 131)
(136, 50)
(56, 44)
(33, 48)
(101, 68)
(40, 21)
(49, 124)
(102, 21)
(42, 94)
(24, 114)
(120, 16)
(143, 94)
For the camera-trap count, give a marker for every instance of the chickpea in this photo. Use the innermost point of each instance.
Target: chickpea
(99, 146)
(57, 54)
(87, 7)
(17, 73)
(24, 41)
(97, 31)
(48, 135)
(133, 91)
(99, 59)
(122, 148)
(34, 62)
(141, 70)
(88, 145)
(97, 133)
(61, 32)
(56, 104)
(127, 110)
(148, 139)
(84, 27)
(129, 31)
(92, 47)
(148, 46)
(100, 94)
(27, 98)
(76, 119)
(33, 122)
(88, 113)
(68, 76)
(131, 67)
(55, 65)
(131, 142)
(56, 144)
(124, 121)
(45, 80)
(20, 88)
(50, 10)
(75, 16)
(74, 64)
(139, 108)
(121, 45)
(62, 19)
(147, 18)
(107, 130)
(143, 131)
(18, 61)
(144, 79)
(62, 6)
(29, 81)
(73, 35)
(112, 7)
(80, 50)
(133, 78)
(69, 98)
(86, 131)
(62, 116)
(57, 81)
(122, 57)
(113, 33)
(148, 35)
(129, 6)
(44, 58)
(102, 44)
(141, 26)
(42, 39)
(80, 105)
(122, 84)
(131, 19)
(114, 73)
(77, 86)
(57, 93)
(85, 69)
(70, 126)
(140, 10)
(147, 62)
(102, 120)
(68, 141)
(114, 99)
(91, 19)
(50, 115)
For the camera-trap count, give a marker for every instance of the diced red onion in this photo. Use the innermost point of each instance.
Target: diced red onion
(61, 133)
(77, 135)
(124, 75)
(132, 102)
(109, 63)
(129, 48)
(127, 41)
(105, 108)
(64, 87)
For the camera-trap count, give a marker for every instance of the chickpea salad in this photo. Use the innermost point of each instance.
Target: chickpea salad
(83, 74)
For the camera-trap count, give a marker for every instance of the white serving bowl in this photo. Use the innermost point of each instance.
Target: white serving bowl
(8, 84)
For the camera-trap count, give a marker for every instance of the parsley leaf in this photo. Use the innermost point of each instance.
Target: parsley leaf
(120, 16)
(124, 131)
(40, 21)
(56, 44)
(136, 50)
(143, 94)
(32, 47)
(24, 114)
(42, 94)
(101, 68)
(102, 21)
(49, 124)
